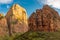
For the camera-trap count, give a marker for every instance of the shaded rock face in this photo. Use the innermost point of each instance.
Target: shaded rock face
(45, 19)
(3, 26)
(17, 19)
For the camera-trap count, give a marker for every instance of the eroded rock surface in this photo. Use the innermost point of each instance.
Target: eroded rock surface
(17, 19)
(3, 25)
(45, 19)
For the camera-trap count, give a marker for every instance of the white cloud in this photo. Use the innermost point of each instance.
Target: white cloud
(5, 1)
(53, 3)
(7, 6)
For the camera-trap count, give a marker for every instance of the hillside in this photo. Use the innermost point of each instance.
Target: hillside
(39, 36)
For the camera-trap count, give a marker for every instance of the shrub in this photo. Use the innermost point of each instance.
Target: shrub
(1, 17)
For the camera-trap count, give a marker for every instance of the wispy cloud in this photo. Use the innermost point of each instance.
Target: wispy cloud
(53, 3)
(8, 6)
(5, 1)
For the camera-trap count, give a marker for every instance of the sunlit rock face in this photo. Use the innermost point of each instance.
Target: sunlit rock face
(45, 19)
(17, 19)
(3, 25)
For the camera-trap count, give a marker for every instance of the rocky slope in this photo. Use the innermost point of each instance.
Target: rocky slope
(17, 19)
(45, 19)
(3, 25)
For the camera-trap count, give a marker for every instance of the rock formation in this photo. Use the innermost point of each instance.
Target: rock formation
(3, 25)
(45, 19)
(17, 19)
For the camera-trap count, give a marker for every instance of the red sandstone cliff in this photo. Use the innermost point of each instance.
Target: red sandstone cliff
(3, 25)
(45, 19)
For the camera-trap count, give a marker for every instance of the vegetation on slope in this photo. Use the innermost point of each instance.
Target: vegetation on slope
(39, 36)
(34, 36)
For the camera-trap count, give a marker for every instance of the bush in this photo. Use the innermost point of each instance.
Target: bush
(14, 22)
(1, 17)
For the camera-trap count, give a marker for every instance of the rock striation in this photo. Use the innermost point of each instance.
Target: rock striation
(45, 19)
(3, 25)
(17, 19)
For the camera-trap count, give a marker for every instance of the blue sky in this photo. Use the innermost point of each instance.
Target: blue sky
(29, 5)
